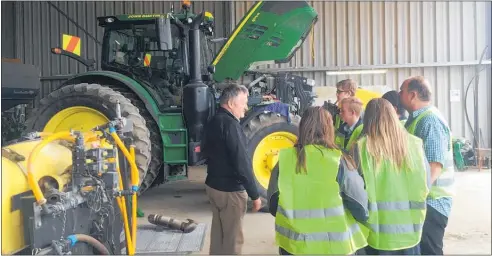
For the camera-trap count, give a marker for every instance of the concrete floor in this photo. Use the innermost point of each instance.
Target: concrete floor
(468, 232)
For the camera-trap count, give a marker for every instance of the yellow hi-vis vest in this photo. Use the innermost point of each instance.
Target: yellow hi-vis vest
(310, 216)
(397, 205)
(444, 185)
(340, 138)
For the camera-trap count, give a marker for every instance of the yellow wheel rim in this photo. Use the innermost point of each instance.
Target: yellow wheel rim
(265, 156)
(76, 118)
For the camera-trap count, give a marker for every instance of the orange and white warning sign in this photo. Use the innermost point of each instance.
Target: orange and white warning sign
(147, 59)
(71, 44)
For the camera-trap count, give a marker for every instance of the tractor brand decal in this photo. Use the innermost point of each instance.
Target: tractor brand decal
(144, 16)
(71, 44)
(147, 59)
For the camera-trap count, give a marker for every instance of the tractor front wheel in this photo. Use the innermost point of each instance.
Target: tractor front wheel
(85, 106)
(267, 133)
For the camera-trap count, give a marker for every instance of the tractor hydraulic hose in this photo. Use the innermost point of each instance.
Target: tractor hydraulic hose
(122, 205)
(130, 156)
(31, 179)
(123, 148)
(44, 134)
(134, 179)
(88, 136)
(89, 240)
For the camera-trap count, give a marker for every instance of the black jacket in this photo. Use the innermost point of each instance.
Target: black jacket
(229, 167)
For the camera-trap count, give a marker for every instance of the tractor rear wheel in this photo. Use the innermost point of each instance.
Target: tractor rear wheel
(267, 133)
(84, 106)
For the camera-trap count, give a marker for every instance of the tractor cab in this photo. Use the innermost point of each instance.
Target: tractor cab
(153, 47)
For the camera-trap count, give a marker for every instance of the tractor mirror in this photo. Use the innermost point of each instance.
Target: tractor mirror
(164, 33)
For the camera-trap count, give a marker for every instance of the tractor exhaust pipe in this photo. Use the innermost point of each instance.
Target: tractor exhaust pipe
(194, 37)
(197, 96)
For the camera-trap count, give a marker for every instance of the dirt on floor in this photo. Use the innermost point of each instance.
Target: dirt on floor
(468, 231)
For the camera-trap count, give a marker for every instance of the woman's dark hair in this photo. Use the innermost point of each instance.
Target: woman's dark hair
(394, 98)
(316, 128)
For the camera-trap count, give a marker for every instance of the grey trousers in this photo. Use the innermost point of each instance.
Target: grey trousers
(228, 209)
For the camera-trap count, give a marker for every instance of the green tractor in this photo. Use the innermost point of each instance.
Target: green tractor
(160, 69)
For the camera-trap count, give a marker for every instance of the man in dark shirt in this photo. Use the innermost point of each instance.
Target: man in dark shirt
(229, 179)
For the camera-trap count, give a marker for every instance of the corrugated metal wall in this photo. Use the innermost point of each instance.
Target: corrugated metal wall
(8, 31)
(38, 26)
(440, 40)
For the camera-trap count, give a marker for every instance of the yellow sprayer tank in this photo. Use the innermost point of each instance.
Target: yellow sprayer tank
(50, 165)
(366, 95)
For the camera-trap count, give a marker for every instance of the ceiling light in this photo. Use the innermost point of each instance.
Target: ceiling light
(356, 72)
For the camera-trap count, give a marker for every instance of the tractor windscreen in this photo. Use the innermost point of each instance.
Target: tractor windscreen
(137, 46)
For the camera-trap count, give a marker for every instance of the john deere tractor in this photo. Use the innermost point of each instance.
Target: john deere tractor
(160, 69)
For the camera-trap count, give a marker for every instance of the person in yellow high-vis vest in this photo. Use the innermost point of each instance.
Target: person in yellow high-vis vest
(397, 180)
(316, 194)
(351, 129)
(427, 123)
(345, 88)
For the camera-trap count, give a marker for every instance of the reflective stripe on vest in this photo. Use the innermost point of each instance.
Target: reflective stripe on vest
(307, 223)
(444, 185)
(316, 213)
(395, 229)
(397, 205)
(319, 236)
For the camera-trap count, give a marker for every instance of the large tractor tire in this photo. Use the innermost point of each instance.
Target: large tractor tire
(267, 133)
(84, 106)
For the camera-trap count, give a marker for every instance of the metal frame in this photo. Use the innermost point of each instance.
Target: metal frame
(339, 68)
(384, 66)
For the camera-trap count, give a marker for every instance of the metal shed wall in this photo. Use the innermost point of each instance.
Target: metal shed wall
(35, 27)
(440, 40)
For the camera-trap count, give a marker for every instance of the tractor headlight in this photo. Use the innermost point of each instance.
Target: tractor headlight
(109, 20)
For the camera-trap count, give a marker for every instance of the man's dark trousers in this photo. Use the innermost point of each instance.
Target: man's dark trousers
(368, 250)
(433, 232)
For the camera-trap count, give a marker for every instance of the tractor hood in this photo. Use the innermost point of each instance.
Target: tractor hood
(270, 31)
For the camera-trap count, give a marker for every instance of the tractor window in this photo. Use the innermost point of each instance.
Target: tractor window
(206, 53)
(129, 45)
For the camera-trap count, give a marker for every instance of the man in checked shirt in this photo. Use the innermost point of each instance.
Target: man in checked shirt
(427, 123)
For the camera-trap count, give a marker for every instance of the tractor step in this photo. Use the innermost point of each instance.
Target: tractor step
(175, 145)
(177, 162)
(174, 130)
(175, 137)
(152, 239)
